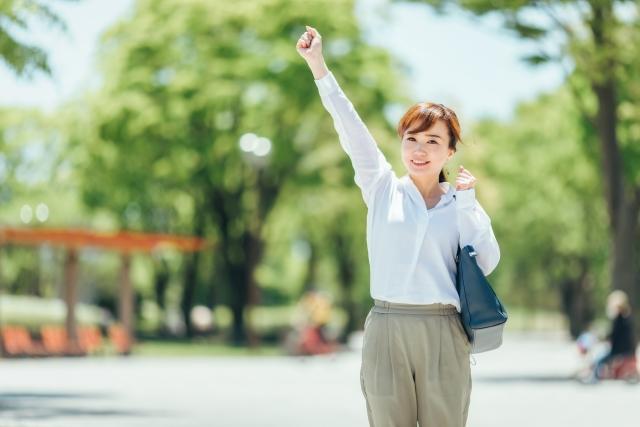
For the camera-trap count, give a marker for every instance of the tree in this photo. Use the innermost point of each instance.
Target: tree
(38, 190)
(184, 83)
(546, 212)
(599, 40)
(15, 17)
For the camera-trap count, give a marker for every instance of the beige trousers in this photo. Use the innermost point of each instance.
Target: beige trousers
(415, 366)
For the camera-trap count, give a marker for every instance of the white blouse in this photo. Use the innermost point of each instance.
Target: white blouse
(411, 248)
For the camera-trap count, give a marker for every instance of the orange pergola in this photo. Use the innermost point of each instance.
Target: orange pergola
(124, 242)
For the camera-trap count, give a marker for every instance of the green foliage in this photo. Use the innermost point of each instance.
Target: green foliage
(155, 148)
(543, 194)
(37, 168)
(33, 312)
(183, 82)
(15, 17)
(599, 41)
(599, 38)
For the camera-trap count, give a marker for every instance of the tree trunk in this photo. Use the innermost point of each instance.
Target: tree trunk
(191, 274)
(253, 248)
(625, 261)
(160, 283)
(347, 276)
(623, 208)
(635, 303)
(622, 205)
(577, 303)
(223, 205)
(239, 295)
(311, 276)
(242, 254)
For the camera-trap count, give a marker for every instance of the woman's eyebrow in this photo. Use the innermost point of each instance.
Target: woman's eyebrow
(416, 133)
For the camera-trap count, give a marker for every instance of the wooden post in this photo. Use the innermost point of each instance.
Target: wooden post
(70, 295)
(1, 289)
(125, 313)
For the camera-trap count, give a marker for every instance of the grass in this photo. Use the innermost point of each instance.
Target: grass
(523, 320)
(177, 348)
(33, 312)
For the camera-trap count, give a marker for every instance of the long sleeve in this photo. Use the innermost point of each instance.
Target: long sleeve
(368, 161)
(475, 229)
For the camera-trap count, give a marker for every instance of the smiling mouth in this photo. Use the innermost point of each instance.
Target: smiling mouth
(419, 163)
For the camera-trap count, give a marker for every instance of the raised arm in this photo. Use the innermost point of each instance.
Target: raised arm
(369, 163)
(475, 229)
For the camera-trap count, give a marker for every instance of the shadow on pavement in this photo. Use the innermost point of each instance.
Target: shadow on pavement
(47, 405)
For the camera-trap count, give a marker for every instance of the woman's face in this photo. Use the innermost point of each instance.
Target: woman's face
(426, 153)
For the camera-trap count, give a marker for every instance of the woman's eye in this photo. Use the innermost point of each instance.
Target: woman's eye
(431, 141)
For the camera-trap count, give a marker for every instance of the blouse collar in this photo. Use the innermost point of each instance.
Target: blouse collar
(413, 190)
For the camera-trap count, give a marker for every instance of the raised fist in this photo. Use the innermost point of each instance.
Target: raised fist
(309, 45)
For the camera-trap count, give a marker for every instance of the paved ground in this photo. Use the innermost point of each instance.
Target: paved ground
(523, 384)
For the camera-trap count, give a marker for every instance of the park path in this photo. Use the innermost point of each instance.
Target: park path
(522, 384)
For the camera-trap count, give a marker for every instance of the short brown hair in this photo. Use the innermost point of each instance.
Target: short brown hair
(423, 115)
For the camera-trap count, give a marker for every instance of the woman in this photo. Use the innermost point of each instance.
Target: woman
(620, 337)
(415, 355)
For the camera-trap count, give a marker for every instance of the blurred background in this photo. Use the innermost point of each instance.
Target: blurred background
(181, 235)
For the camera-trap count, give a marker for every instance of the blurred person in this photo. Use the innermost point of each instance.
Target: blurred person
(585, 341)
(415, 356)
(318, 308)
(620, 339)
(311, 318)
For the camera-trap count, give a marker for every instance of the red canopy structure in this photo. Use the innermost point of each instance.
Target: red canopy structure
(123, 242)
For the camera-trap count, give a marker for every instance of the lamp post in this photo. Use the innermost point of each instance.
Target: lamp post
(255, 151)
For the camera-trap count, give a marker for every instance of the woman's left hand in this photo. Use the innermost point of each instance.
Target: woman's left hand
(464, 180)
